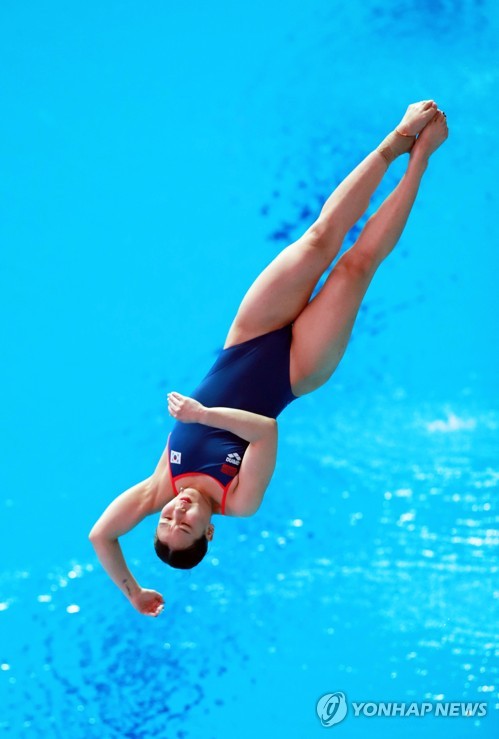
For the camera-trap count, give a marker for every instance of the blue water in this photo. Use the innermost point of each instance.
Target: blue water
(154, 159)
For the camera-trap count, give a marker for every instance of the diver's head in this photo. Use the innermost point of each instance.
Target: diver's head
(184, 529)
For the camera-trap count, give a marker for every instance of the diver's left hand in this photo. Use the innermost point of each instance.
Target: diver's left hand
(148, 602)
(184, 409)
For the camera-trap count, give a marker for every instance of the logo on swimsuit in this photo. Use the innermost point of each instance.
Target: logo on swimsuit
(234, 458)
(175, 457)
(227, 469)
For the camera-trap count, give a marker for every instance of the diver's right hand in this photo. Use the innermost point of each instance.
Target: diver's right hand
(185, 409)
(148, 602)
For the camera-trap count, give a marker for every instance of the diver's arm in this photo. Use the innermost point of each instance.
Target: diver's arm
(122, 515)
(249, 426)
(254, 476)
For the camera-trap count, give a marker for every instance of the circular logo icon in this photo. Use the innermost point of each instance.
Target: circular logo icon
(332, 708)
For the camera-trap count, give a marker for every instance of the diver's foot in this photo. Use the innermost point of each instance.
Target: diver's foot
(431, 137)
(416, 117)
(401, 140)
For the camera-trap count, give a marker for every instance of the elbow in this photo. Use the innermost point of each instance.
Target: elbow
(266, 430)
(272, 433)
(95, 535)
(92, 535)
(100, 537)
(271, 427)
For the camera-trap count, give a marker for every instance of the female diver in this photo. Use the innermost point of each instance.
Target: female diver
(221, 453)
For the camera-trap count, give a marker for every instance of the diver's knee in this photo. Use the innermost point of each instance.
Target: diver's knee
(360, 264)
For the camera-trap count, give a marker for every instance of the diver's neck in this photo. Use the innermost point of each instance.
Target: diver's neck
(211, 504)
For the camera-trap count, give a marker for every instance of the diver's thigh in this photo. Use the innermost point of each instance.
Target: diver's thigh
(322, 331)
(281, 292)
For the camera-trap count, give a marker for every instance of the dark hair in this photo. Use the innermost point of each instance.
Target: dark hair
(183, 559)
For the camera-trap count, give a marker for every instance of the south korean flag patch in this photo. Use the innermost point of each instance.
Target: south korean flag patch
(175, 457)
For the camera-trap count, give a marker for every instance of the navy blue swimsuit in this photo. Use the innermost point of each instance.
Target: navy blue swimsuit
(252, 376)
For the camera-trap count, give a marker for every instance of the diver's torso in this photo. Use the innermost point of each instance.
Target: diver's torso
(252, 376)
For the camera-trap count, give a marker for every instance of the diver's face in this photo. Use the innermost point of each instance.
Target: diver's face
(184, 519)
